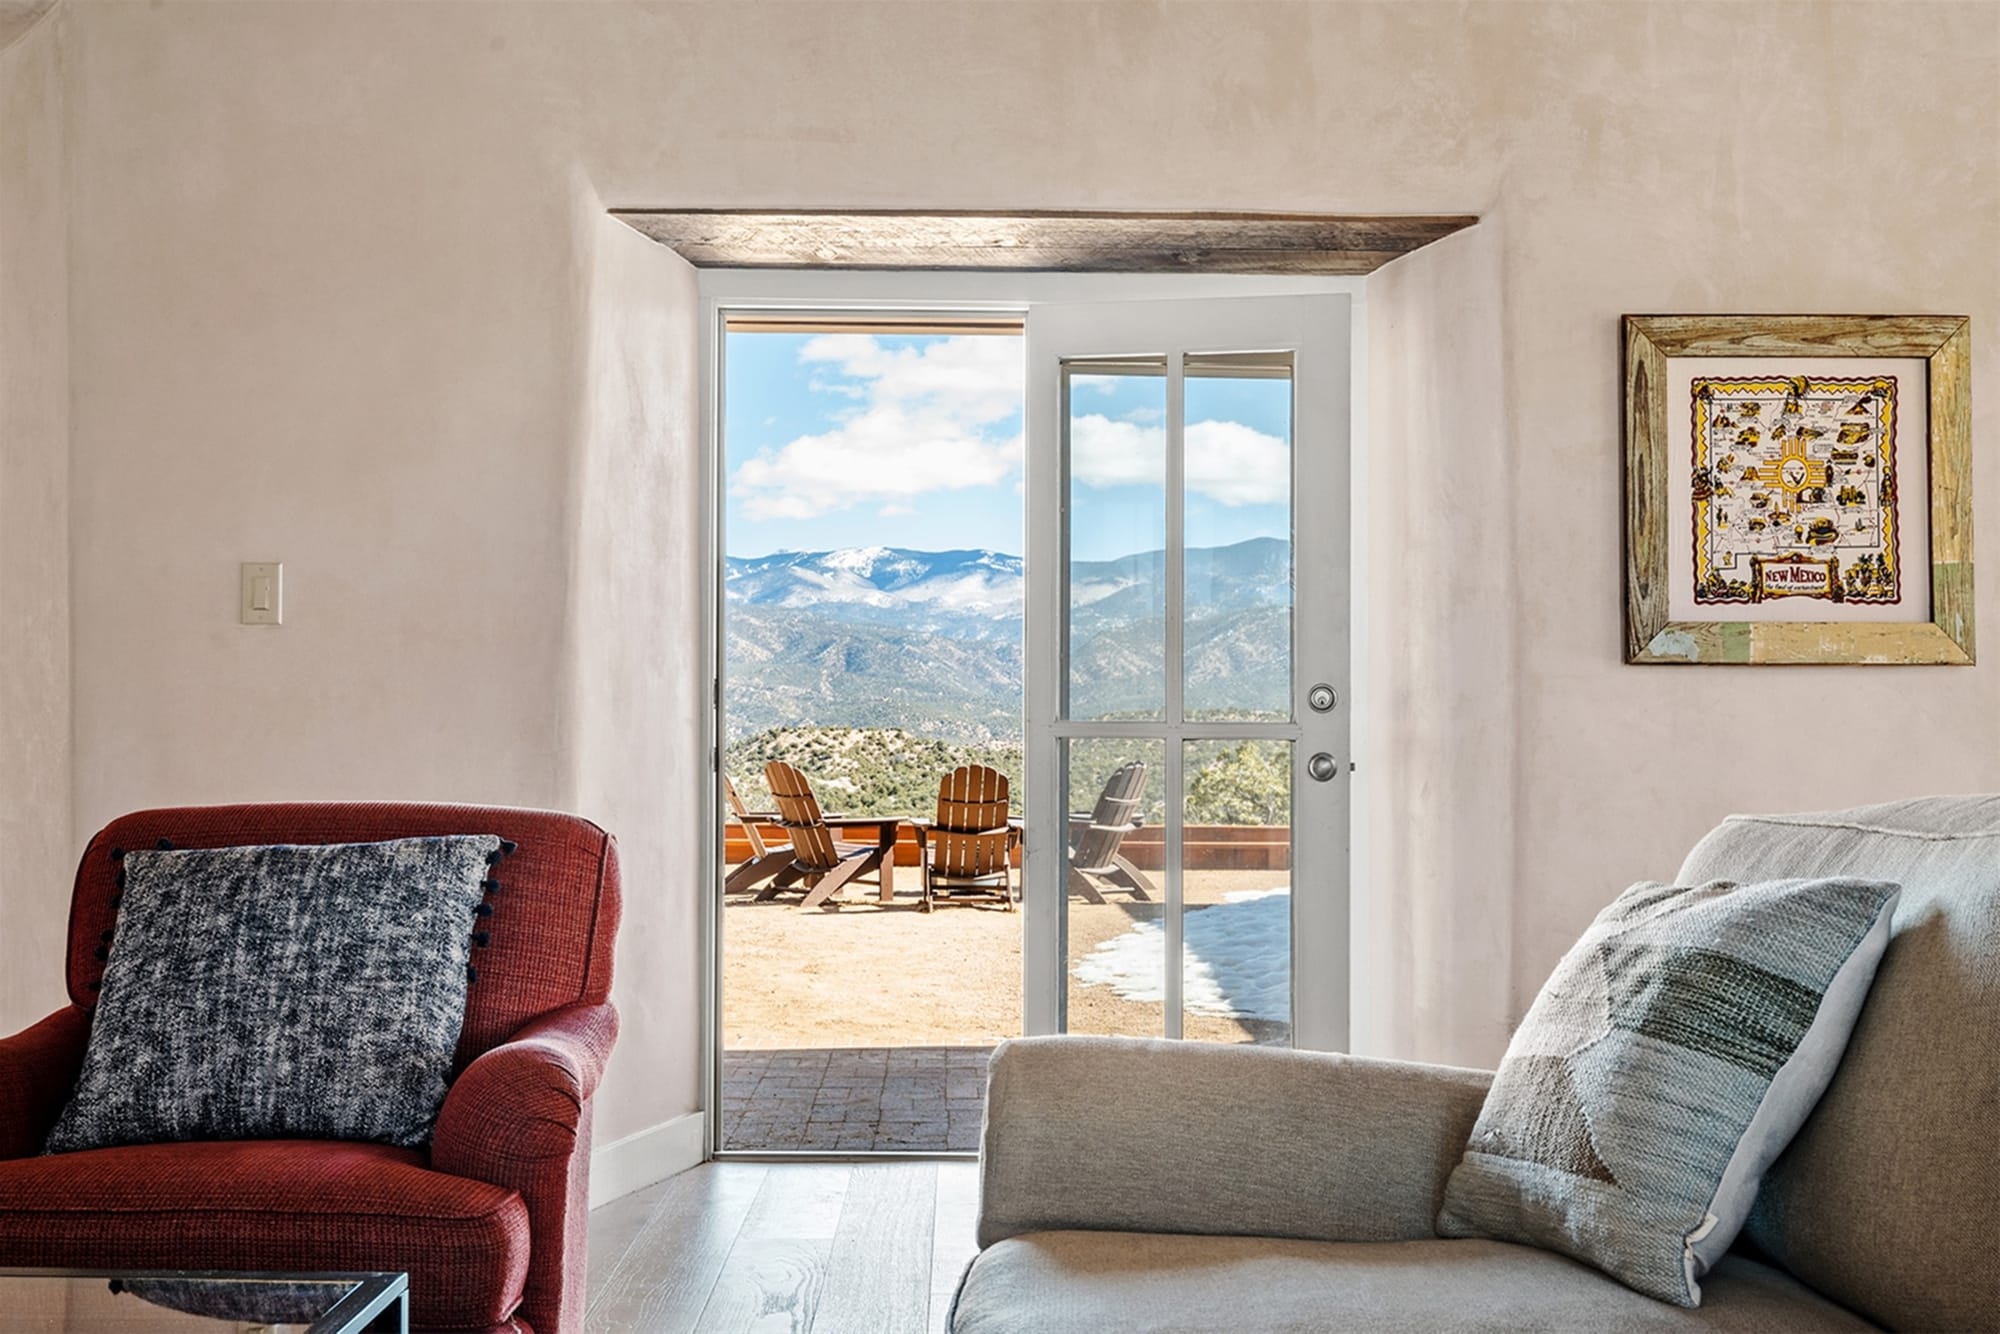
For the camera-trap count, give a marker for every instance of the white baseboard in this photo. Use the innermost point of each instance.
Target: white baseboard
(644, 1157)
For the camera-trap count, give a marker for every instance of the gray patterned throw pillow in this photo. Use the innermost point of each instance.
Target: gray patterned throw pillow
(273, 992)
(1676, 1050)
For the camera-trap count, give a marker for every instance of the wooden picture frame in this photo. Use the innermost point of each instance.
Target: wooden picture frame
(1655, 439)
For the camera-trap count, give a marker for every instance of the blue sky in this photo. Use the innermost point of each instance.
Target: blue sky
(851, 440)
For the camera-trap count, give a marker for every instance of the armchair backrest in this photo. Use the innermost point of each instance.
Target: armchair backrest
(554, 917)
(1885, 1200)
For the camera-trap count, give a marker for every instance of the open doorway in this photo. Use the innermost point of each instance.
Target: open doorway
(871, 623)
(1089, 542)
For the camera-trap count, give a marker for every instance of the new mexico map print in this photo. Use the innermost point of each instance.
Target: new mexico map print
(1795, 489)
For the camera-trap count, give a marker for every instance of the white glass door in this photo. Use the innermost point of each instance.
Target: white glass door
(1187, 670)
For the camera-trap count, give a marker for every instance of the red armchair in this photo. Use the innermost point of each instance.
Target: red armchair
(489, 1225)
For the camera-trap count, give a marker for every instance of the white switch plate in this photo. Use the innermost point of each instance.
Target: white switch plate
(263, 592)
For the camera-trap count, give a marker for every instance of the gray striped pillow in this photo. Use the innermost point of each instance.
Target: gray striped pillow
(1676, 1050)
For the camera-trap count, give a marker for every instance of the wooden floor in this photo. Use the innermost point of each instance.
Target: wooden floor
(833, 1248)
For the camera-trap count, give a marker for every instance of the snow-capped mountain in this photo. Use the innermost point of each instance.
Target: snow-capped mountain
(931, 640)
(865, 582)
(988, 583)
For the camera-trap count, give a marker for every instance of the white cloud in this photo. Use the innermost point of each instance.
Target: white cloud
(925, 422)
(1228, 462)
(1103, 452)
(976, 378)
(1233, 464)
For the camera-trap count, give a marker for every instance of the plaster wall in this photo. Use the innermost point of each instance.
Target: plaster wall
(1432, 924)
(330, 303)
(35, 859)
(637, 666)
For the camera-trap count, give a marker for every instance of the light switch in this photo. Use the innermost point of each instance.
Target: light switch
(263, 593)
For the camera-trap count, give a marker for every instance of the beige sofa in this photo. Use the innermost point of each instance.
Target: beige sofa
(1181, 1187)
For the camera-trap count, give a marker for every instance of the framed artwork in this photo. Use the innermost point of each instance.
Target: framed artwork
(1798, 489)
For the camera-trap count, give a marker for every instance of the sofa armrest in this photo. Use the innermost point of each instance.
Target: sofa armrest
(38, 1070)
(1153, 1136)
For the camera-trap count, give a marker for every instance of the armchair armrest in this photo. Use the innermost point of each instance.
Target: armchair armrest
(520, 1103)
(518, 1117)
(1154, 1136)
(38, 1069)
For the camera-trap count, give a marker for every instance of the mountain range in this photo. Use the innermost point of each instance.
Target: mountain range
(930, 641)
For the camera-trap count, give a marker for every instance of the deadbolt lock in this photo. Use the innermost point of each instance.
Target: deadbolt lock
(1322, 698)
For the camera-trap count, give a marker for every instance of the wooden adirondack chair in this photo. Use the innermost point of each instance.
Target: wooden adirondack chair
(765, 861)
(1094, 839)
(968, 850)
(821, 864)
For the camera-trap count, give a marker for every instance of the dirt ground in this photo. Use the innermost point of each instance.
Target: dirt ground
(865, 975)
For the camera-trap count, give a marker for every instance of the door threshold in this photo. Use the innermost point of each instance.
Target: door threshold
(850, 1156)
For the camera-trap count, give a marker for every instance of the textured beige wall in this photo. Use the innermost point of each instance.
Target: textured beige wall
(321, 314)
(1433, 925)
(35, 859)
(637, 670)
(1820, 158)
(330, 304)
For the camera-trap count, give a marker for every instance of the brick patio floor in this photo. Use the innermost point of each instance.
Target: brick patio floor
(854, 1099)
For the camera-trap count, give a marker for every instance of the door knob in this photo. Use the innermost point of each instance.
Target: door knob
(1322, 766)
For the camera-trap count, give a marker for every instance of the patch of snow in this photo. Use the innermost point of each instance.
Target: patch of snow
(840, 586)
(1083, 594)
(1238, 958)
(972, 592)
(860, 560)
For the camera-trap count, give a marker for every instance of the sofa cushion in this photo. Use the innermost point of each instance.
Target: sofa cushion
(1673, 1053)
(282, 990)
(1106, 1282)
(1885, 1200)
(274, 1205)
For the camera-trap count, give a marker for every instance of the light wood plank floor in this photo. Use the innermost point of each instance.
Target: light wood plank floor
(825, 1248)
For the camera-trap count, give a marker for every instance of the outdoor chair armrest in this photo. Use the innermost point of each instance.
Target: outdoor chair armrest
(38, 1070)
(1083, 820)
(1151, 1136)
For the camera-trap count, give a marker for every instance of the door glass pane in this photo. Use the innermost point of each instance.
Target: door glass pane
(1115, 447)
(1116, 958)
(1236, 860)
(1238, 562)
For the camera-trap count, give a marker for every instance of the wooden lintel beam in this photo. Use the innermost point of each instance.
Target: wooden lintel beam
(1281, 243)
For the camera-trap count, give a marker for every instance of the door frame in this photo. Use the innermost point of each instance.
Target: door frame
(726, 292)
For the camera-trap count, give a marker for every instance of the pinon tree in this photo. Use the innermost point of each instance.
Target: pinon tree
(1250, 784)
